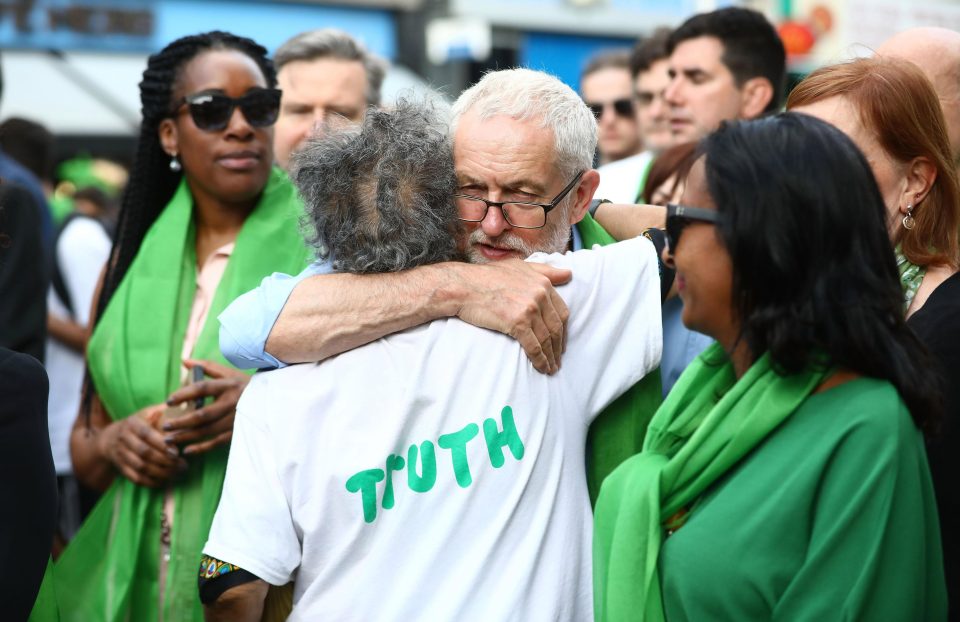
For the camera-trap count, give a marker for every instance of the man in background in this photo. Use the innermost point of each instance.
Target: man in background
(326, 76)
(26, 232)
(726, 64)
(622, 181)
(607, 90)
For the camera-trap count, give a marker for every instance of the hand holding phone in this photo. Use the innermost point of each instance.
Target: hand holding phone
(205, 426)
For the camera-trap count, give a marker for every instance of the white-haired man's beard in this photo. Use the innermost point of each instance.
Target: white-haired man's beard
(554, 239)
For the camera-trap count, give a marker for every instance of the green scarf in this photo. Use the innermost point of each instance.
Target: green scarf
(911, 276)
(617, 433)
(709, 421)
(110, 570)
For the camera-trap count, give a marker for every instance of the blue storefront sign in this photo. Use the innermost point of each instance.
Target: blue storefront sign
(147, 25)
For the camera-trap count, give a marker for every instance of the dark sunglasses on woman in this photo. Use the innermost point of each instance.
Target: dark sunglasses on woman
(622, 107)
(211, 112)
(679, 216)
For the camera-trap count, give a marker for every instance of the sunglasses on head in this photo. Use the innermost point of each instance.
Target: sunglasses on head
(679, 216)
(622, 107)
(211, 112)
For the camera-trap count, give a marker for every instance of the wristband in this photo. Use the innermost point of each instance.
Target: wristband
(667, 274)
(594, 204)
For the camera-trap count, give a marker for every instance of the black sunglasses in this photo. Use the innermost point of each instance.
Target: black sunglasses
(679, 216)
(211, 112)
(622, 107)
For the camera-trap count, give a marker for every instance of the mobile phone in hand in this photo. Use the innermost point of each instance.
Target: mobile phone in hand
(196, 375)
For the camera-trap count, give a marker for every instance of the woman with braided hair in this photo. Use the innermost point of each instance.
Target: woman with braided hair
(205, 217)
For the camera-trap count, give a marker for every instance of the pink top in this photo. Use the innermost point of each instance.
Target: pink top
(208, 278)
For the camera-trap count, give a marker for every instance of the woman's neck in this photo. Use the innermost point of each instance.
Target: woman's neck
(218, 223)
(740, 356)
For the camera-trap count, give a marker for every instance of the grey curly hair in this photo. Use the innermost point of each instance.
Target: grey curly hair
(379, 196)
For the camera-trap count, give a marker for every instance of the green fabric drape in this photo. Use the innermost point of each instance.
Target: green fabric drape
(709, 421)
(617, 433)
(110, 570)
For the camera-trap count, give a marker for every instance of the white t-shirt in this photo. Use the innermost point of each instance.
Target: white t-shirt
(434, 474)
(82, 249)
(620, 179)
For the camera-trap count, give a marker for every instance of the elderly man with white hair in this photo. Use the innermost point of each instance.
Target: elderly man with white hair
(434, 474)
(522, 141)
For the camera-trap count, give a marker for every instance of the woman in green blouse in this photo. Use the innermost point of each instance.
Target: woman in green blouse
(785, 476)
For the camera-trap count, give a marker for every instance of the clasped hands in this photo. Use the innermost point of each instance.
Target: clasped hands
(149, 447)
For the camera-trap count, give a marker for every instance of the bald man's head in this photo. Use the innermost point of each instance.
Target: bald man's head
(937, 52)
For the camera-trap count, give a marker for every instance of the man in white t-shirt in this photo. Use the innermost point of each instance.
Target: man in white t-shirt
(82, 248)
(432, 474)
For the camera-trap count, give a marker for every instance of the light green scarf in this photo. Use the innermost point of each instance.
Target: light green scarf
(911, 276)
(110, 570)
(617, 432)
(709, 421)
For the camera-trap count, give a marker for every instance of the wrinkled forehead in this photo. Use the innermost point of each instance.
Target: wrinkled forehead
(505, 146)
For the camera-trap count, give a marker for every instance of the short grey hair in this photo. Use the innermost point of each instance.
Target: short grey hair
(526, 94)
(607, 59)
(333, 43)
(379, 196)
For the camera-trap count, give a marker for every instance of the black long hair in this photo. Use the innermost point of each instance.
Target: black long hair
(815, 281)
(152, 183)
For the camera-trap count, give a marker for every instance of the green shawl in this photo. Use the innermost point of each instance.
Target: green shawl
(709, 421)
(110, 570)
(617, 432)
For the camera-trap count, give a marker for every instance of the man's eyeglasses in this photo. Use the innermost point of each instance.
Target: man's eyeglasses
(622, 107)
(519, 214)
(211, 112)
(679, 216)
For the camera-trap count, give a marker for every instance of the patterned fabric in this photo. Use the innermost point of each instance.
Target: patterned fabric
(211, 567)
(911, 275)
(216, 577)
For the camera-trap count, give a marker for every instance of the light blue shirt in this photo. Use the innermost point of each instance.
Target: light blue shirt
(680, 344)
(247, 322)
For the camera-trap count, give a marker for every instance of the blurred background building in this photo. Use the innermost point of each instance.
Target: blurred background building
(73, 66)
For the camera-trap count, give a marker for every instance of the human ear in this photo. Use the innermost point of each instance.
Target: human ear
(920, 175)
(583, 195)
(755, 95)
(169, 138)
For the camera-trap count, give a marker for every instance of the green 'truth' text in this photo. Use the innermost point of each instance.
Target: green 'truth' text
(365, 482)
